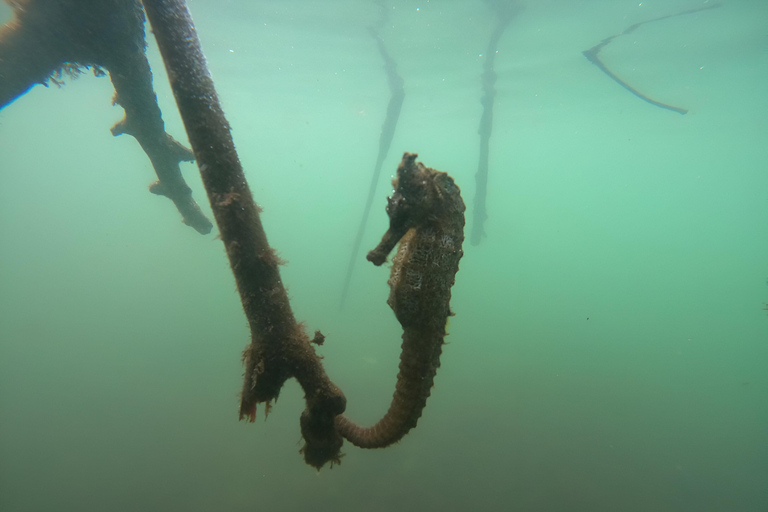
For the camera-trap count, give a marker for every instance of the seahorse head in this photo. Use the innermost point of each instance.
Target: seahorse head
(422, 196)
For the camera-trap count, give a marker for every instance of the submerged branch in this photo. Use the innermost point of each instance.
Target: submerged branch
(505, 12)
(593, 55)
(397, 96)
(279, 347)
(47, 40)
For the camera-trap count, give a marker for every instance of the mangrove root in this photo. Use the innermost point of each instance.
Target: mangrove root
(505, 11)
(48, 36)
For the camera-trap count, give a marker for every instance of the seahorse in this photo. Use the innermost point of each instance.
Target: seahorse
(426, 216)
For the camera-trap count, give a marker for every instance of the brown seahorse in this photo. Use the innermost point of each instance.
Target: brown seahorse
(426, 215)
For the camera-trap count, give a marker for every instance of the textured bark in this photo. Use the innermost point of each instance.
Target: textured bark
(279, 347)
(46, 36)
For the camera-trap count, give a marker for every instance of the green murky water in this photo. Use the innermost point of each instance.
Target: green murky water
(608, 351)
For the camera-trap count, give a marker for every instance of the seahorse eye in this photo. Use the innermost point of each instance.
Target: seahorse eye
(395, 203)
(391, 204)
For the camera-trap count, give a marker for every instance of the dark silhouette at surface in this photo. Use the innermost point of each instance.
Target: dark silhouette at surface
(593, 56)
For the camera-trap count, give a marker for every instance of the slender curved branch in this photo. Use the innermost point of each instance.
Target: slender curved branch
(592, 55)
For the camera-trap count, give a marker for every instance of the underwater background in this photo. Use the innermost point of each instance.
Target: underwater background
(610, 346)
